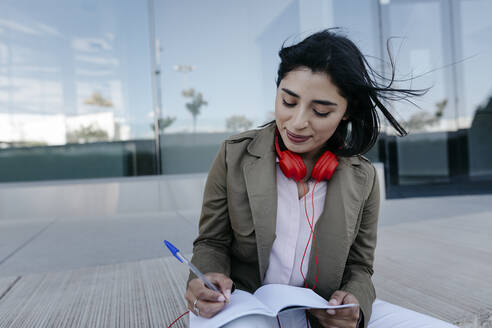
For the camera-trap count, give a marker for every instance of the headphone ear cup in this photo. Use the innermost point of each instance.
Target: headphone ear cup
(292, 166)
(325, 166)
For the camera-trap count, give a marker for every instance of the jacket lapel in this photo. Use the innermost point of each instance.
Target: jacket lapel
(261, 184)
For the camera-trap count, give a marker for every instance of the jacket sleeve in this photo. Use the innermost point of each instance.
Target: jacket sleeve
(211, 247)
(359, 267)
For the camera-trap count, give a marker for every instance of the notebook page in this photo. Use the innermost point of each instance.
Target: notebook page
(278, 297)
(242, 303)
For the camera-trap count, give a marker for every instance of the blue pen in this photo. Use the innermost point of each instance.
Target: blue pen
(193, 268)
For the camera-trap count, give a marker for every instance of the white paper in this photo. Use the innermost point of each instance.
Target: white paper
(268, 300)
(277, 297)
(241, 303)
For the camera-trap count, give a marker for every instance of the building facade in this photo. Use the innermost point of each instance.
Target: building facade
(115, 89)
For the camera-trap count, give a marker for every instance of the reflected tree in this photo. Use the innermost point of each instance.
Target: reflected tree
(420, 121)
(163, 123)
(195, 104)
(96, 99)
(238, 123)
(88, 133)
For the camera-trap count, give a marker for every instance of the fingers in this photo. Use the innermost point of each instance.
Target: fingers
(223, 282)
(208, 302)
(337, 297)
(209, 309)
(197, 289)
(340, 297)
(318, 313)
(352, 312)
(345, 314)
(346, 317)
(327, 320)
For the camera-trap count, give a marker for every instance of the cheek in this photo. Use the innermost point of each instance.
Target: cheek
(325, 130)
(281, 114)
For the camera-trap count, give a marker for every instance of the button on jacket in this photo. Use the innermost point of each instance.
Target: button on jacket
(239, 211)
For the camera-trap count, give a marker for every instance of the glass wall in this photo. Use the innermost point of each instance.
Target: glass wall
(82, 83)
(475, 45)
(219, 60)
(75, 90)
(418, 45)
(443, 45)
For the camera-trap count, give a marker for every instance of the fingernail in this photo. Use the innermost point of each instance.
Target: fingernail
(332, 312)
(227, 293)
(333, 302)
(221, 298)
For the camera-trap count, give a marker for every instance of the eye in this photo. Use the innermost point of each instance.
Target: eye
(320, 114)
(288, 104)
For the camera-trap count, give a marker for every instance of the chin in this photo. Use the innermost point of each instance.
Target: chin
(300, 149)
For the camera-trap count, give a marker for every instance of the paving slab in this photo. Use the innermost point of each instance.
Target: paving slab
(15, 234)
(396, 211)
(6, 284)
(143, 294)
(84, 242)
(439, 267)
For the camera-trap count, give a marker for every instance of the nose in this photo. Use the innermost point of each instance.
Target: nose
(300, 119)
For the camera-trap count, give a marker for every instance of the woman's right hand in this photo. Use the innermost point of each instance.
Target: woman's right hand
(209, 302)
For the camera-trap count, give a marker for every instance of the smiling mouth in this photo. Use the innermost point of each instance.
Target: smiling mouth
(295, 137)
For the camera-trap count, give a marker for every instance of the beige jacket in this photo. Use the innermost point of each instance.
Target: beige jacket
(237, 223)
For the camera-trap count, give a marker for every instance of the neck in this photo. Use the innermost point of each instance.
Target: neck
(312, 156)
(309, 162)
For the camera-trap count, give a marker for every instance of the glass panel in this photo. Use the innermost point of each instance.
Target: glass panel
(422, 156)
(476, 114)
(75, 90)
(219, 61)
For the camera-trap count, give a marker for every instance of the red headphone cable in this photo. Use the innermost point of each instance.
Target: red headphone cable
(178, 318)
(311, 227)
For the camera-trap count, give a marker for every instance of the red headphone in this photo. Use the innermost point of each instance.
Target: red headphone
(293, 166)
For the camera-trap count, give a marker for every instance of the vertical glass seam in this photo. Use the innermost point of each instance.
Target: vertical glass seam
(154, 76)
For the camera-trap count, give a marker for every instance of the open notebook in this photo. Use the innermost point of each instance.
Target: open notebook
(268, 300)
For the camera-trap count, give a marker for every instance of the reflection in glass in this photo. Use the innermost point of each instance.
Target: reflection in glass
(476, 37)
(77, 76)
(218, 75)
(417, 50)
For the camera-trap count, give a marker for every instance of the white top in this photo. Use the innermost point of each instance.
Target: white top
(292, 235)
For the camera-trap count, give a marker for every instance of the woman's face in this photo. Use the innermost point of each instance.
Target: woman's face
(308, 109)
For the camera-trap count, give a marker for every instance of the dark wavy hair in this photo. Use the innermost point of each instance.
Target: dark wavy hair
(365, 90)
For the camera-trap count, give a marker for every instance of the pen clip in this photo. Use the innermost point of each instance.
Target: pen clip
(173, 250)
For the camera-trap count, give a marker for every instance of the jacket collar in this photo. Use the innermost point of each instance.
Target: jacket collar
(263, 142)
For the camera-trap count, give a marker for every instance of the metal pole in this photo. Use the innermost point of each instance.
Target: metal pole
(155, 76)
(386, 139)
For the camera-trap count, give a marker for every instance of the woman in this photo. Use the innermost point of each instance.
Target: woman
(255, 225)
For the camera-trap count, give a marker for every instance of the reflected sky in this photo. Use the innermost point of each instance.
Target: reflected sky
(476, 36)
(55, 55)
(234, 47)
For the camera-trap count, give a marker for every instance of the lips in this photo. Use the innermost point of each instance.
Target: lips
(295, 137)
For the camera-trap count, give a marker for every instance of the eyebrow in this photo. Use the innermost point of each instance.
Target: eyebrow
(321, 102)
